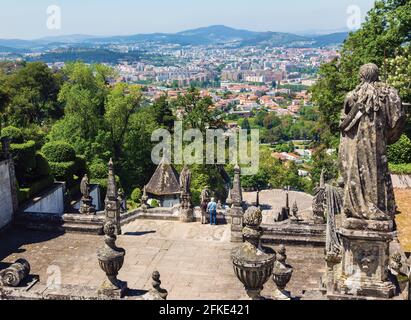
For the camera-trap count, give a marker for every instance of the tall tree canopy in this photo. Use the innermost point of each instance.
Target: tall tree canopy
(384, 35)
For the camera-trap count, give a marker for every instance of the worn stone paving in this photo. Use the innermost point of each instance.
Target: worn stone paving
(403, 219)
(193, 259)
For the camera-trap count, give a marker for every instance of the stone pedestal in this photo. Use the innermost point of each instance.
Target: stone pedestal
(236, 217)
(365, 259)
(329, 281)
(86, 206)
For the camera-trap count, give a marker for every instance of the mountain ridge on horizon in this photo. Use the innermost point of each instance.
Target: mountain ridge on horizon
(214, 34)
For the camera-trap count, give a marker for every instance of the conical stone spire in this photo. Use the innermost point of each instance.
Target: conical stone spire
(112, 203)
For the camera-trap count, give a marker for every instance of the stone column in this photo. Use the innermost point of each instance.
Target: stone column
(365, 259)
(236, 211)
(112, 204)
(186, 207)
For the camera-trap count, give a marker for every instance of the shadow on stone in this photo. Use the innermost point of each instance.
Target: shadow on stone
(138, 234)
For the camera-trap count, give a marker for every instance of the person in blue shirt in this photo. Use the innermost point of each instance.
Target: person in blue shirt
(212, 210)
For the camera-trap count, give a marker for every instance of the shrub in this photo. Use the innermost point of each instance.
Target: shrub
(404, 168)
(24, 155)
(400, 152)
(63, 171)
(36, 134)
(81, 166)
(98, 170)
(15, 134)
(154, 203)
(23, 195)
(59, 151)
(42, 166)
(136, 195)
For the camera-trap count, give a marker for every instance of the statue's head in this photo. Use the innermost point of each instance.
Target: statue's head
(369, 73)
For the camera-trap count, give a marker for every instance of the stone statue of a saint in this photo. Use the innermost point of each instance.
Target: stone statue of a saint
(85, 187)
(373, 118)
(185, 180)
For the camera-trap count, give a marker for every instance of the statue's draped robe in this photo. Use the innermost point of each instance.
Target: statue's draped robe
(373, 117)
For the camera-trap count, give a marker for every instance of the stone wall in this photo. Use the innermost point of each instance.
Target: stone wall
(49, 202)
(6, 195)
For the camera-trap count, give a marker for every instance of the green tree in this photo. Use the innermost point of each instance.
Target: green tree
(383, 34)
(197, 111)
(163, 112)
(122, 102)
(32, 95)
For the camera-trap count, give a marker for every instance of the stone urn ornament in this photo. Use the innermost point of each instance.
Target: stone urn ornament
(253, 265)
(111, 259)
(282, 275)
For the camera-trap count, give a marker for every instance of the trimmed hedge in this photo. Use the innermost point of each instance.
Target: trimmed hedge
(63, 171)
(70, 172)
(15, 134)
(404, 168)
(24, 155)
(42, 165)
(59, 151)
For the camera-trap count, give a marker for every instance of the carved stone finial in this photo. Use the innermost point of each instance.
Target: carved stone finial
(282, 275)
(157, 290)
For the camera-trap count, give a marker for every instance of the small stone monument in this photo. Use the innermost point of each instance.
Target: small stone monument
(112, 204)
(236, 211)
(111, 259)
(86, 206)
(284, 214)
(186, 207)
(282, 275)
(373, 118)
(252, 263)
(295, 217)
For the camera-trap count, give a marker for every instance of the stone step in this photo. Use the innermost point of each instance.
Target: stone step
(83, 228)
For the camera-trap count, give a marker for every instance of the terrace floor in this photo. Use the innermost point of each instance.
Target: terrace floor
(193, 259)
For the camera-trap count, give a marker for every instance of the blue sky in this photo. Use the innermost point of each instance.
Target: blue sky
(26, 19)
